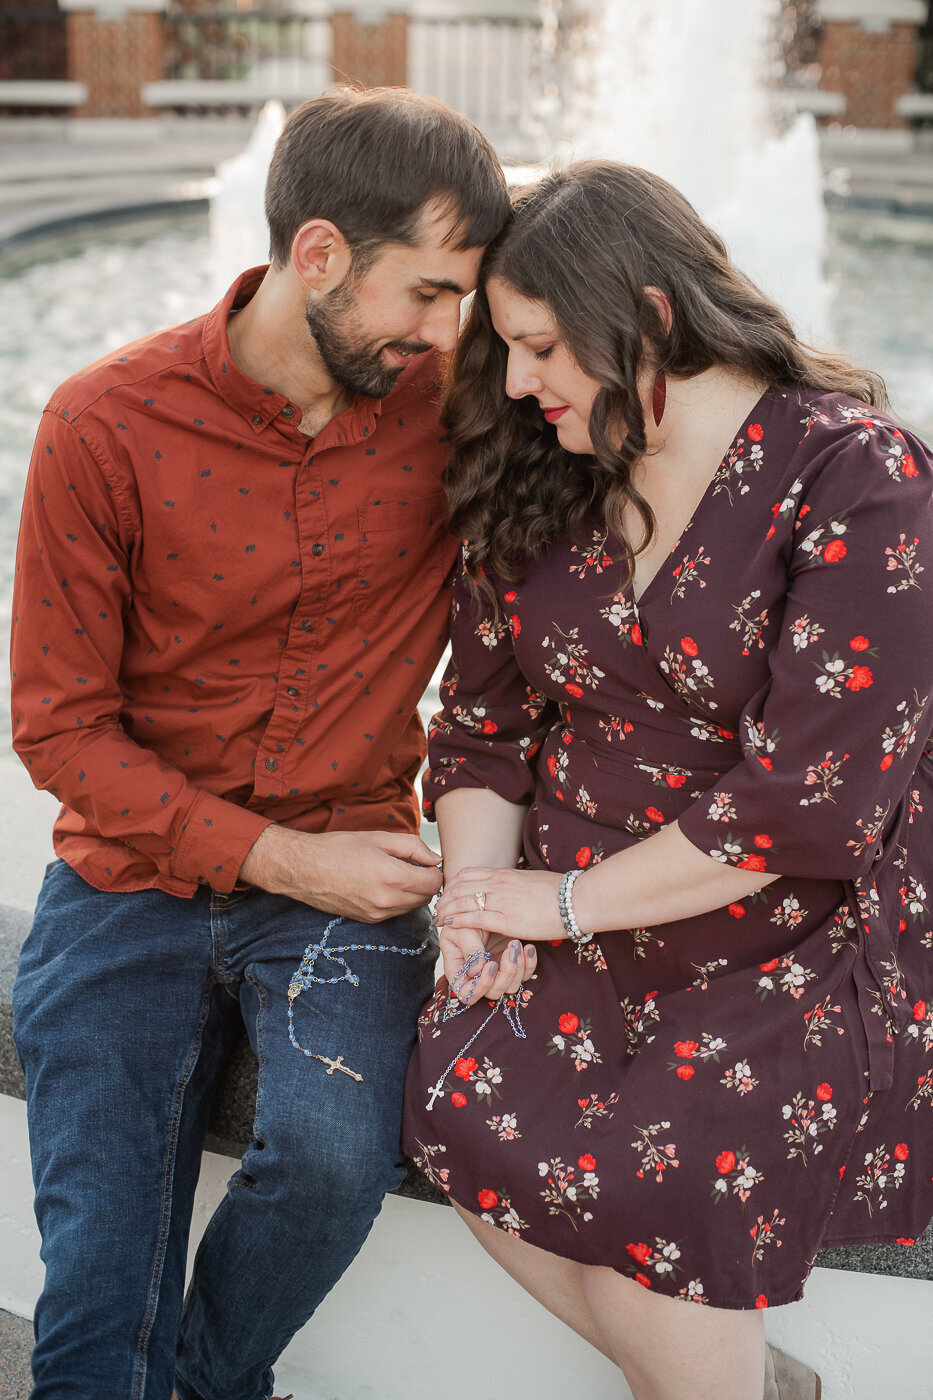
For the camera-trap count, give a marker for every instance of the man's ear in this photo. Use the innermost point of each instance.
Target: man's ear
(662, 306)
(320, 255)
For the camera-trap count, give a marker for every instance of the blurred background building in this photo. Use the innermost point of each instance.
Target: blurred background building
(866, 64)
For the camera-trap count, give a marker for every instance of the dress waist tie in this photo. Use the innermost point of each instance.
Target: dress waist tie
(882, 1000)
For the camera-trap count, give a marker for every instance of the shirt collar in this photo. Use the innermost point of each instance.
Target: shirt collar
(259, 404)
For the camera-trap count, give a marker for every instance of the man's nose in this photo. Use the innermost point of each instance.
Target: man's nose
(441, 326)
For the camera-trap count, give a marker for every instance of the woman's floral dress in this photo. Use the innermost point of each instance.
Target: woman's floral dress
(704, 1104)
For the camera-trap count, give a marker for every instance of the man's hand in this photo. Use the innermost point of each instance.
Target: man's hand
(368, 876)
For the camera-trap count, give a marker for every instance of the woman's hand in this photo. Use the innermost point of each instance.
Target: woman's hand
(519, 904)
(508, 967)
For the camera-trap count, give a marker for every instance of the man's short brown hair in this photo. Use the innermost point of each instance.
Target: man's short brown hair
(369, 161)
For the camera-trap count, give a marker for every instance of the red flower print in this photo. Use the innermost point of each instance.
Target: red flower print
(824, 1092)
(725, 1162)
(859, 643)
(464, 1067)
(552, 765)
(834, 551)
(761, 1301)
(583, 856)
(510, 596)
(516, 624)
(643, 1279)
(684, 1049)
(458, 1100)
(902, 1152)
(860, 679)
(653, 814)
(737, 911)
(675, 780)
(909, 466)
(685, 1071)
(583, 1102)
(639, 1252)
(568, 1022)
(487, 1199)
(764, 761)
(628, 727)
(768, 966)
(920, 1010)
(763, 841)
(587, 1162)
(902, 1240)
(753, 863)
(689, 647)
(886, 762)
(489, 726)
(635, 634)
(756, 432)
(573, 690)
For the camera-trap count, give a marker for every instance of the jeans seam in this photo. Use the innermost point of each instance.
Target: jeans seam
(155, 1281)
(260, 1048)
(218, 944)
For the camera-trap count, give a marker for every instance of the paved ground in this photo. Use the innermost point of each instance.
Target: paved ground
(15, 1346)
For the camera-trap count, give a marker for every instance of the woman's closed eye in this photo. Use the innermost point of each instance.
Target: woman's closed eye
(543, 354)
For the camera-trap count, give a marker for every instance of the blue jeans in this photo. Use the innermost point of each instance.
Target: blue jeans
(125, 1006)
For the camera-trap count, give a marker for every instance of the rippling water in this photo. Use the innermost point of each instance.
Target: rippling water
(64, 307)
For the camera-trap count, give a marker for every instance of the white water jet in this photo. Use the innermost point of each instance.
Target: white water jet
(689, 89)
(238, 230)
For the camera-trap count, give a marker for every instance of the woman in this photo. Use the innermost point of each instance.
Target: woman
(691, 699)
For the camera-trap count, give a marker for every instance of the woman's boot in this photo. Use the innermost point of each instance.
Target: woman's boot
(787, 1379)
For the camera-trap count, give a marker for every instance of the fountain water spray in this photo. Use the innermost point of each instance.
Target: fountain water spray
(239, 234)
(690, 90)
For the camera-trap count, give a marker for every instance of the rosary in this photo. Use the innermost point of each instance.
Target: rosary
(305, 976)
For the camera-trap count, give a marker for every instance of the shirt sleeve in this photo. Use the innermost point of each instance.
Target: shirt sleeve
(492, 722)
(72, 590)
(831, 742)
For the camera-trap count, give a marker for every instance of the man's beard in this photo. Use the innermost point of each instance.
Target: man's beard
(351, 361)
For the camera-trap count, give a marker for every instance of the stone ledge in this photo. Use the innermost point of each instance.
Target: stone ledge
(232, 1117)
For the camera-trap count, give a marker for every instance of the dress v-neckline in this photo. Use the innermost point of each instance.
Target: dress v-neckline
(741, 431)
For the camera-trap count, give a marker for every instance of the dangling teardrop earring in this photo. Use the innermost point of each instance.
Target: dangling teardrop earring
(659, 397)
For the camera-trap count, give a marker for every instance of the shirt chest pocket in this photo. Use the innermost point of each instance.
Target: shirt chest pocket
(404, 553)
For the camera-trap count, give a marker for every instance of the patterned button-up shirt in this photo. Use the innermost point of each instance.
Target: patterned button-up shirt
(219, 621)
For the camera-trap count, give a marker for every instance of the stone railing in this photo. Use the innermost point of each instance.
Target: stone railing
(232, 1118)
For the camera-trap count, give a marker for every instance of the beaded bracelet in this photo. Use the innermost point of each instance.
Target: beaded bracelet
(565, 905)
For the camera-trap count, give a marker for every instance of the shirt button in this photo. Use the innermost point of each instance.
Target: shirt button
(306, 625)
(271, 764)
(288, 411)
(293, 692)
(257, 419)
(317, 549)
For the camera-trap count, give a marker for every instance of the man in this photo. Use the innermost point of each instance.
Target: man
(229, 598)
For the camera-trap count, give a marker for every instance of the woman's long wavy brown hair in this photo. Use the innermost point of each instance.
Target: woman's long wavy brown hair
(586, 242)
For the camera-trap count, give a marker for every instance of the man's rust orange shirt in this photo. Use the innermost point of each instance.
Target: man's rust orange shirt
(218, 621)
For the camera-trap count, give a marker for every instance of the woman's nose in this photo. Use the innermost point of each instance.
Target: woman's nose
(520, 379)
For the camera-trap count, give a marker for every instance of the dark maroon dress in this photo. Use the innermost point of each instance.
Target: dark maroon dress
(702, 1105)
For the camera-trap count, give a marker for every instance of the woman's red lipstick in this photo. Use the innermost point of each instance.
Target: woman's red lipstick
(552, 414)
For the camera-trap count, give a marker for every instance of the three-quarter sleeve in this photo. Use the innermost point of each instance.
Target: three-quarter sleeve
(492, 722)
(71, 592)
(832, 740)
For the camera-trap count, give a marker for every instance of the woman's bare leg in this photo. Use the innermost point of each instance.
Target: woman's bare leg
(667, 1349)
(556, 1283)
